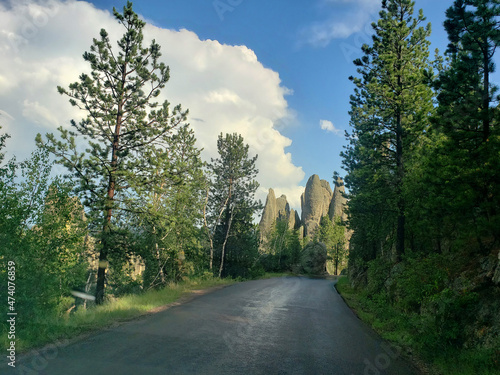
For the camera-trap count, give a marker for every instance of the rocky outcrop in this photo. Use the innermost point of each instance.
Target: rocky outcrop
(269, 214)
(283, 208)
(496, 276)
(277, 209)
(318, 200)
(339, 201)
(315, 202)
(313, 259)
(294, 220)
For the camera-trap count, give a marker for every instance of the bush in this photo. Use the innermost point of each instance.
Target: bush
(419, 280)
(378, 272)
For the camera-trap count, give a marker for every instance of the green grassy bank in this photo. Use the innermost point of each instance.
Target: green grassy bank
(405, 330)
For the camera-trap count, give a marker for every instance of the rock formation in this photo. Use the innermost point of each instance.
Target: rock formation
(282, 208)
(277, 209)
(269, 214)
(315, 202)
(339, 201)
(318, 200)
(294, 220)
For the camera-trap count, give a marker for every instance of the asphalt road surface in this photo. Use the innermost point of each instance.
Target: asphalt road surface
(289, 325)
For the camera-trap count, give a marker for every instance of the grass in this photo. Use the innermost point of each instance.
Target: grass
(398, 328)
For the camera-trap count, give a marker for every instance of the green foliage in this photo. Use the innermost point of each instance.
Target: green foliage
(231, 206)
(443, 190)
(419, 281)
(389, 111)
(378, 271)
(333, 235)
(435, 334)
(125, 133)
(282, 248)
(465, 160)
(167, 215)
(42, 230)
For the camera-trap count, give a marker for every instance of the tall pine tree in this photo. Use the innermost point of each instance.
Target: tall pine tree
(123, 123)
(466, 158)
(231, 201)
(389, 111)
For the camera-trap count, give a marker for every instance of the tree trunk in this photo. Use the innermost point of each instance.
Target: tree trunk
(103, 256)
(223, 254)
(486, 97)
(158, 258)
(106, 230)
(400, 232)
(229, 219)
(208, 231)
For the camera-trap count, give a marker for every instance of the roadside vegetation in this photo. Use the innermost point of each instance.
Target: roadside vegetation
(424, 196)
(50, 327)
(430, 344)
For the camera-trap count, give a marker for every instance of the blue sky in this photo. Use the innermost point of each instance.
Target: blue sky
(290, 77)
(316, 73)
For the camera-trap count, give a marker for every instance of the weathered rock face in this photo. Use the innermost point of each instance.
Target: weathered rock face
(313, 259)
(294, 220)
(277, 209)
(339, 201)
(318, 200)
(283, 208)
(315, 202)
(269, 214)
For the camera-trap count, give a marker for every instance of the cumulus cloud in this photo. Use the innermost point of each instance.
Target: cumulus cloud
(225, 87)
(346, 17)
(329, 127)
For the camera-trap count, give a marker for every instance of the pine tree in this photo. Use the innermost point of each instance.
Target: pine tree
(231, 202)
(390, 108)
(474, 32)
(122, 125)
(465, 160)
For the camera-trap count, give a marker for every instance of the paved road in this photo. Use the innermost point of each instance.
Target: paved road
(287, 325)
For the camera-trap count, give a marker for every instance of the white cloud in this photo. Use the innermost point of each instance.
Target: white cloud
(347, 17)
(39, 114)
(329, 127)
(225, 87)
